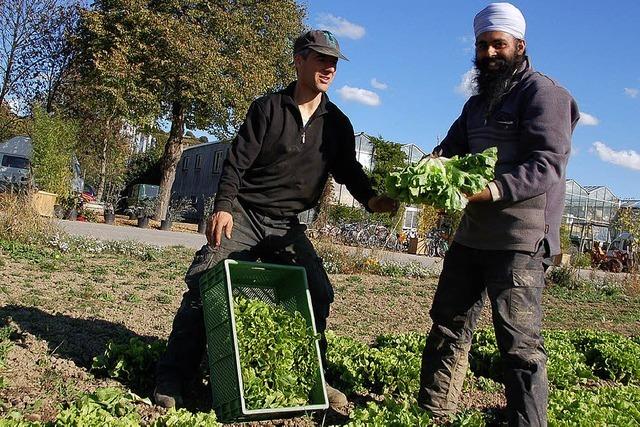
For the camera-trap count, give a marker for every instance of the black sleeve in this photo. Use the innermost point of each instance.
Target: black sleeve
(244, 150)
(347, 170)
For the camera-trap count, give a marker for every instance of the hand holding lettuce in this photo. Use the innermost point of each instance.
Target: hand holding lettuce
(443, 182)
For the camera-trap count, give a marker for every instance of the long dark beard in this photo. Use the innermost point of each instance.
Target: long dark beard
(493, 84)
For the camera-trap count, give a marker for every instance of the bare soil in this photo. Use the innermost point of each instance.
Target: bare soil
(67, 308)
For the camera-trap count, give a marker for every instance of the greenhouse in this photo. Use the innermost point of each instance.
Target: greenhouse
(590, 210)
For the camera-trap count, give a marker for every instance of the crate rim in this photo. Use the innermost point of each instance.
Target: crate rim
(287, 409)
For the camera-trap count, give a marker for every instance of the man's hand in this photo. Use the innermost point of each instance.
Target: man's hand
(483, 196)
(383, 204)
(218, 223)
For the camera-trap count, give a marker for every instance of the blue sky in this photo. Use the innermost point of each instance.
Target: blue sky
(408, 60)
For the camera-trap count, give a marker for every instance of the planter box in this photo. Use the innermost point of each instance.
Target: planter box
(279, 285)
(44, 202)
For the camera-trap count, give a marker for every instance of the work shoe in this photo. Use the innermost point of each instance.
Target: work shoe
(337, 399)
(167, 395)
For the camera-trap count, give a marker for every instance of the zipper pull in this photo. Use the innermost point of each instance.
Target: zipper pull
(304, 132)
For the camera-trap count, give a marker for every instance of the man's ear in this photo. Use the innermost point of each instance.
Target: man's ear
(521, 45)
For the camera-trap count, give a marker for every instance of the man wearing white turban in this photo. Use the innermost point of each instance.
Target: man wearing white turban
(508, 228)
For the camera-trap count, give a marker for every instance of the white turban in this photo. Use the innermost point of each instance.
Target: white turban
(503, 17)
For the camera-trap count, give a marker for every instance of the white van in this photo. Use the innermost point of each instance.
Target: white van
(15, 160)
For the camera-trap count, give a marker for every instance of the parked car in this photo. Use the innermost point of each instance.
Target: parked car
(15, 161)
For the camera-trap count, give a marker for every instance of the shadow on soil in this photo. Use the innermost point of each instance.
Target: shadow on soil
(78, 340)
(75, 339)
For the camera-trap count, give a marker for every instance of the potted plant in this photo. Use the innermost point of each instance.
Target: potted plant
(109, 213)
(70, 206)
(111, 200)
(206, 213)
(146, 209)
(178, 208)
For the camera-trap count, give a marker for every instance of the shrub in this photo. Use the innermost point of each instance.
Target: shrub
(20, 222)
(54, 139)
(581, 260)
(566, 277)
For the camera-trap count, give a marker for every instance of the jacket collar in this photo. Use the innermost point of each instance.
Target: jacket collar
(287, 99)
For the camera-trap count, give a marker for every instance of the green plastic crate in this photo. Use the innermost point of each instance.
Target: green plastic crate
(279, 285)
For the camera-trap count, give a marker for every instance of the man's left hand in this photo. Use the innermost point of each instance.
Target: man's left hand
(483, 196)
(383, 204)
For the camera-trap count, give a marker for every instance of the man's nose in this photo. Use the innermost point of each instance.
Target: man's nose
(491, 51)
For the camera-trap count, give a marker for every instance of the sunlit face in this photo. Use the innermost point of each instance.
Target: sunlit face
(317, 71)
(496, 49)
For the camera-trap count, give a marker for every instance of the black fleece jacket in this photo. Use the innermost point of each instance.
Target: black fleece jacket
(278, 167)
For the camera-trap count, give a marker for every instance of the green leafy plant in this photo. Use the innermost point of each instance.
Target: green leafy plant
(178, 208)
(183, 418)
(278, 355)
(389, 413)
(107, 406)
(443, 182)
(610, 355)
(146, 207)
(132, 362)
(602, 406)
(5, 342)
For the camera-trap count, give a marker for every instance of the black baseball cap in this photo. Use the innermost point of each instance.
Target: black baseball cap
(322, 41)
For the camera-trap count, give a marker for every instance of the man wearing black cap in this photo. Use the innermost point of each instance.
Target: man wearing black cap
(276, 168)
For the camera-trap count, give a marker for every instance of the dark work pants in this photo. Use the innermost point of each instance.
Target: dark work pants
(513, 282)
(254, 236)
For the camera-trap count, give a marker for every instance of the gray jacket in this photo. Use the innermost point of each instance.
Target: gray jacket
(532, 128)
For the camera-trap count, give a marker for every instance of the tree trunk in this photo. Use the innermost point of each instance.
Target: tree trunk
(324, 205)
(103, 161)
(170, 159)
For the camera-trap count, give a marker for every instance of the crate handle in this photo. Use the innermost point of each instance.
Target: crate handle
(258, 268)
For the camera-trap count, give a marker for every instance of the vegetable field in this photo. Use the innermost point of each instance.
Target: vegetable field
(83, 326)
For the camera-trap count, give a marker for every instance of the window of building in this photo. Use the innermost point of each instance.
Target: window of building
(410, 219)
(218, 159)
(185, 163)
(198, 161)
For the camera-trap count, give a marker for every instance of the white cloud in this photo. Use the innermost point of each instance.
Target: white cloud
(587, 119)
(378, 85)
(631, 92)
(467, 85)
(340, 26)
(362, 96)
(625, 158)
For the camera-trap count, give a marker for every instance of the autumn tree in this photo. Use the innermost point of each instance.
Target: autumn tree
(202, 61)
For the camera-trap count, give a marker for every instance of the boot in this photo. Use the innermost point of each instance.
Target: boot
(337, 399)
(168, 394)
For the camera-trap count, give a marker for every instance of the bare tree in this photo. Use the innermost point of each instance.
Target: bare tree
(31, 41)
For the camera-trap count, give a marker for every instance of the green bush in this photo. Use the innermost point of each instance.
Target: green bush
(54, 139)
(581, 260)
(566, 277)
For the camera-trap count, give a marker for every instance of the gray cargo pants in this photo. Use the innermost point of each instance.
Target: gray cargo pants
(254, 236)
(513, 282)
